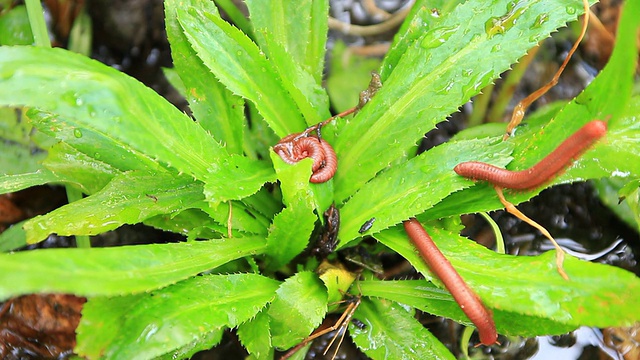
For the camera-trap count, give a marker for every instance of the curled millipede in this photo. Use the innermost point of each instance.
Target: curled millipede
(468, 301)
(295, 147)
(543, 171)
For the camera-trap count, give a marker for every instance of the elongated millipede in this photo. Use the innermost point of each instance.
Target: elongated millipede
(295, 147)
(468, 301)
(543, 171)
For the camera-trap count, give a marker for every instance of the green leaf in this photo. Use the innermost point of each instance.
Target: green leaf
(300, 28)
(293, 36)
(129, 198)
(620, 146)
(91, 142)
(193, 223)
(255, 336)
(13, 237)
(72, 166)
(235, 178)
(236, 16)
(239, 65)
(291, 228)
(425, 296)
(103, 112)
(415, 185)
(412, 30)
(14, 27)
(118, 270)
(201, 343)
(159, 323)
(531, 285)
(217, 110)
(12, 183)
(391, 332)
(611, 192)
(435, 76)
(617, 154)
(243, 218)
(292, 319)
(337, 279)
(62, 164)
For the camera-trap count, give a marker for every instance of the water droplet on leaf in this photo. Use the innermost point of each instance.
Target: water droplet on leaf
(541, 19)
(499, 25)
(438, 36)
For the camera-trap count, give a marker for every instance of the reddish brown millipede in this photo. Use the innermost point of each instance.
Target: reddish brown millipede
(295, 147)
(469, 302)
(544, 170)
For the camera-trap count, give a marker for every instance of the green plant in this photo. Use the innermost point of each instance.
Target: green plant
(139, 159)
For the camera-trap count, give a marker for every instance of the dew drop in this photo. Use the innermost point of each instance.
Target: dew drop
(79, 101)
(541, 19)
(69, 98)
(239, 53)
(77, 133)
(97, 156)
(484, 80)
(438, 36)
(499, 25)
(493, 26)
(570, 10)
(91, 110)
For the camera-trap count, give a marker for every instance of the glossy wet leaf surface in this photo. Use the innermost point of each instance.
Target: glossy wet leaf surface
(531, 286)
(208, 99)
(614, 155)
(392, 332)
(117, 270)
(129, 199)
(142, 160)
(102, 112)
(160, 323)
(255, 336)
(291, 228)
(434, 76)
(291, 319)
(418, 184)
(239, 65)
(293, 36)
